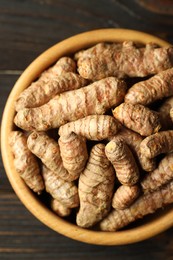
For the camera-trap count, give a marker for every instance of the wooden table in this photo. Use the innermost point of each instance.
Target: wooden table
(27, 28)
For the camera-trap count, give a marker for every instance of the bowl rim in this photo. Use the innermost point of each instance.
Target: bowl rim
(30, 200)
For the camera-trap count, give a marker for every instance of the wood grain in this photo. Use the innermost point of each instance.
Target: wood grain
(26, 29)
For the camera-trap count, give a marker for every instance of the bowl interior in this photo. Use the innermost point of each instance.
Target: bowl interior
(144, 229)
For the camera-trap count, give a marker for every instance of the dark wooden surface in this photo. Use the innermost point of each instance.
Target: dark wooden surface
(26, 29)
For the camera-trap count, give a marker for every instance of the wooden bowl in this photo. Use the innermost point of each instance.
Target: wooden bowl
(144, 229)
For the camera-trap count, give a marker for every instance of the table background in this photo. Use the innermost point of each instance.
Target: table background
(27, 28)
